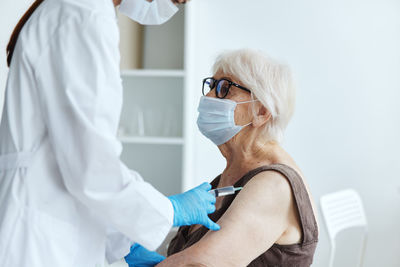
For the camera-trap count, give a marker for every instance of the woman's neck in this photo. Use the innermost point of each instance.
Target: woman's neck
(241, 160)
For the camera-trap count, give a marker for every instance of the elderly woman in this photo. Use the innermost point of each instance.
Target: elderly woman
(245, 109)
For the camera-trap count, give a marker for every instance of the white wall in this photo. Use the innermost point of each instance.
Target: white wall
(345, 133)
(10, 12)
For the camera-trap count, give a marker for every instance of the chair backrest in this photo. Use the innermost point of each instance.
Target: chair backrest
(342, 210)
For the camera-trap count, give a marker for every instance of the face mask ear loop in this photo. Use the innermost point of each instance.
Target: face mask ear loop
(247, 101)
(252, 108)
(247, 124)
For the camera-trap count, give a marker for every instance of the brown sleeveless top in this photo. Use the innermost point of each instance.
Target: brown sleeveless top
(294, 255)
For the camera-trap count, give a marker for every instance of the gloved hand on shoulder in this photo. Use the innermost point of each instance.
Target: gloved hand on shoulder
(193, 207)
(141, 257)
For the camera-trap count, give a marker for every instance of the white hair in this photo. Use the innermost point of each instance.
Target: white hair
(269, 81)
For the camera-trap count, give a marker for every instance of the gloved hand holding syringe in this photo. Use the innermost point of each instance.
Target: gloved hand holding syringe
(224, 191)
(140, 255)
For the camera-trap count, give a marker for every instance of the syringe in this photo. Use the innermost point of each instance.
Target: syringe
(224, 191)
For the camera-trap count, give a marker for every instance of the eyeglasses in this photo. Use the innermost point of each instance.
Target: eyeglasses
(222, 86)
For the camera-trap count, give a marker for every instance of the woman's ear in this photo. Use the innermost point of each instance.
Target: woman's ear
(262, 116)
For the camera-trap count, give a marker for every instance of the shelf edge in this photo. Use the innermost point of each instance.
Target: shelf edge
(152, 73)
(151, 140)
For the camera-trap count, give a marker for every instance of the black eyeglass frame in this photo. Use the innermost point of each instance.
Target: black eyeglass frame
(227, 91)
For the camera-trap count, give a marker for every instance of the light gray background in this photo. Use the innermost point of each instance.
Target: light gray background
(345, 55)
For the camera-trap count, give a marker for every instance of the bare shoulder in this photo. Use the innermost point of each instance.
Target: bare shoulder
(267, 197)
(256, 219)
(270, 187)
(274, 188)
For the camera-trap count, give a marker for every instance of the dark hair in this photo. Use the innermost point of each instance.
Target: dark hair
(18, 28)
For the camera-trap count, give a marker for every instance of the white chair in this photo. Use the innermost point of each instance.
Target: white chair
(343, 210)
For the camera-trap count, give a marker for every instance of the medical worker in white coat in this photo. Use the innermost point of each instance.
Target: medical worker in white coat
(66, 199)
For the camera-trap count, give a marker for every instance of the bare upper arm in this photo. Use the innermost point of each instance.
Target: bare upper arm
(253, 223)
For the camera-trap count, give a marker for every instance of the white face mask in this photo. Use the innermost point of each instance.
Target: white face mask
(148, 13)
(216, 119)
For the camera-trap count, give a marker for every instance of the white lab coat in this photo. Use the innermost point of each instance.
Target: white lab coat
(66, 199)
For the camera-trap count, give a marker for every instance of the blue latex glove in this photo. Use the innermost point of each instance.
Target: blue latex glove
(141, 257)
(193, 207)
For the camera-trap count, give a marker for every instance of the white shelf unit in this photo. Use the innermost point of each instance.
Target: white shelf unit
(152, 73)
(151, 140)
(152, 120)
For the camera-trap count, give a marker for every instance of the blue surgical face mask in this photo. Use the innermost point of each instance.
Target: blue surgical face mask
(216, 119)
